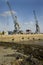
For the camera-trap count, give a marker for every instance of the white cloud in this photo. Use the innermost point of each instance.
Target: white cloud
(41, 26)
(27, 25)
(31, 25)
(7, 13)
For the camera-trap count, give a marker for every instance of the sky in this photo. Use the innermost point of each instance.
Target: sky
(23, 9)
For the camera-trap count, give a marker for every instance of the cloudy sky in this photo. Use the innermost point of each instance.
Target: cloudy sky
(24, 11)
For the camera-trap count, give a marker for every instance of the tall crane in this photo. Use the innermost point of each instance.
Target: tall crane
(16, 25)
(37, 26)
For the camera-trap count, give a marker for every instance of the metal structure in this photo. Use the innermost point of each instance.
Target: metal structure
(16, 25)
(37, 26)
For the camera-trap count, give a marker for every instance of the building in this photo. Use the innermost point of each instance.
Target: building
(28, 31)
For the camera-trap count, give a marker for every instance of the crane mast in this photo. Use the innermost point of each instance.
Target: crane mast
(37, 26)
(16, 25)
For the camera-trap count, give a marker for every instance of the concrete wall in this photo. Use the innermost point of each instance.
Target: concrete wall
(20, 37)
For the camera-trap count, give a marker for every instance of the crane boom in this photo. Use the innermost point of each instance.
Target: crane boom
(10, 10)
(16, 25)
(37, 26)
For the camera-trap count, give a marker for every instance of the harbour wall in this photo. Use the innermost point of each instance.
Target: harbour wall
(20, 37)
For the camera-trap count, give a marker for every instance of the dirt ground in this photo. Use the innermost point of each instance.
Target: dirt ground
(21, 54)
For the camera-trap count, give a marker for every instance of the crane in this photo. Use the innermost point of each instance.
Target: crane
(37, 26)
(16, 25)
